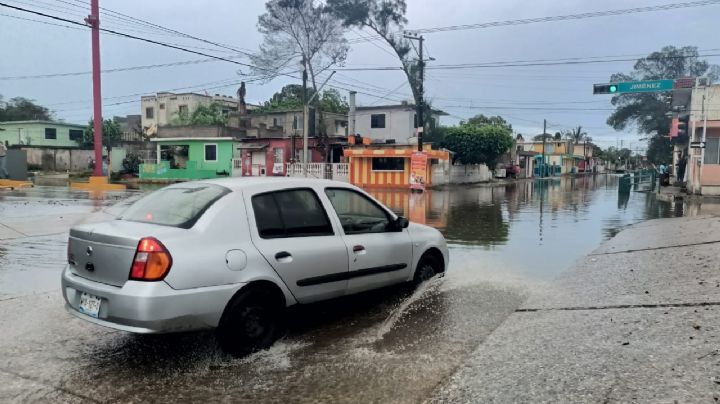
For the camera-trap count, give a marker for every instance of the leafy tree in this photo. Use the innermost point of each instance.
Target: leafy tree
(290, 98)
(539, 138)
(203, 115)
(659, 150)
(332, 101)
(23, 109)
(481, 119)
(646, 111)
(474, 144)
(111, 134)
(301, 31)
(386, 18)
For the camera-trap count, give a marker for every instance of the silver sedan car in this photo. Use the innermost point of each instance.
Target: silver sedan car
(232, 254)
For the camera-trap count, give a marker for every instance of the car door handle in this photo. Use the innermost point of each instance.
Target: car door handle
(283, 256)
(357, 249)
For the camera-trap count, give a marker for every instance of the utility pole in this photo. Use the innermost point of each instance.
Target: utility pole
(306, 113)
(420, 107)
(704, 136)
(93, 20)
(544, 136)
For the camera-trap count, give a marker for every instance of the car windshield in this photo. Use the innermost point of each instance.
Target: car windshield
(179, 206)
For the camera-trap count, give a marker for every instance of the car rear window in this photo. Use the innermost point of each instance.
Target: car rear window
(177, 206)
(290, 213)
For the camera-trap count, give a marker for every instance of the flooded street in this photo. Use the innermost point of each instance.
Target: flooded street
(392, 345)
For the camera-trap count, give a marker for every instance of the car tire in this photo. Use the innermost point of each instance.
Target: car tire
(250, 323)
(426, 269)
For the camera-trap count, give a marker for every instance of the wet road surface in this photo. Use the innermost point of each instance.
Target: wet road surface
(390, 345)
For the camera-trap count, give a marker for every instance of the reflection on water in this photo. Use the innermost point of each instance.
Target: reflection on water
(536, 227)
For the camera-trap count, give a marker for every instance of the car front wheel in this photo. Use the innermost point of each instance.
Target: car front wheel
(249, 324)
(426, 269)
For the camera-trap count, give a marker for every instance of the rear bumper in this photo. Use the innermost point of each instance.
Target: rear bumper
(149, 307)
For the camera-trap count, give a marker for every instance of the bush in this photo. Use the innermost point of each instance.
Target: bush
(131, 164)
(474, 144)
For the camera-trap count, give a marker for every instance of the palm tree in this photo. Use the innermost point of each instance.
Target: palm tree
(577, 135)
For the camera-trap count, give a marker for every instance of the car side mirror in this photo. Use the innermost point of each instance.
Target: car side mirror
(401, 223)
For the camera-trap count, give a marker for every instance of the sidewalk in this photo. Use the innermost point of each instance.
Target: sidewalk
(636, 321)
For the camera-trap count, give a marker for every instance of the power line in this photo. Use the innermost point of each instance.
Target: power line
(595, 14)
(536, 62)
(568, 17)
(127, 35)
(156, 27)
(115, 70)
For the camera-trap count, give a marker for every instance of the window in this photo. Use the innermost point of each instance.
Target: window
(177, 206)
(377, 121)
(293, 213)
(149, 113)
(275, 122)
(50, 133)
(279, 155)
(712, 150)
(182, 110)
(388, 164)
(357, 213)
(162, 106)
(76, 134)
(210, 152)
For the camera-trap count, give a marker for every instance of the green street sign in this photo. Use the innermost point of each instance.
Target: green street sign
(647, 86)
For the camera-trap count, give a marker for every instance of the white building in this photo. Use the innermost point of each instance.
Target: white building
(390, 122)
(161, 109)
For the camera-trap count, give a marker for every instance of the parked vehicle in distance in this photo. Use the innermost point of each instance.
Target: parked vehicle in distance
(233, 253)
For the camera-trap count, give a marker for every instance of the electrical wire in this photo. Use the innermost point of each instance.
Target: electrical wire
(568, 17)
(115, 70)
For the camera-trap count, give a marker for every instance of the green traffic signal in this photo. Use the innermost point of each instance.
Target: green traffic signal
(613, 89)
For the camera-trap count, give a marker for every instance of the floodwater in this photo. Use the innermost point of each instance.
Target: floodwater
(538, 227)
(392, 345)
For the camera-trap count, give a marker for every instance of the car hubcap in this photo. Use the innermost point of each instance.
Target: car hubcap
(255, 322)
(426, 273)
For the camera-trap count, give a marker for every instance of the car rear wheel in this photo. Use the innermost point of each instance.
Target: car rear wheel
(249, 324)
(426, 269)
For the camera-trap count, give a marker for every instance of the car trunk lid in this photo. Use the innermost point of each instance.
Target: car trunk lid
(104, 252)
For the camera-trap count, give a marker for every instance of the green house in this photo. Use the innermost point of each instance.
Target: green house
(191, 158)
(42, 133)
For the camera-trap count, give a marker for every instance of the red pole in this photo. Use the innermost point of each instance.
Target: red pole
(94, 21)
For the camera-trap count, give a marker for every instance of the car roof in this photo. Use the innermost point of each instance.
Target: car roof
(248, 183)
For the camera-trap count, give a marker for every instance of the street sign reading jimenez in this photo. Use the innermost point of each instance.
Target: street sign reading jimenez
(647, 86)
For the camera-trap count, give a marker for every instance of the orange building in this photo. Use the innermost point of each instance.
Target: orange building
(386, 165)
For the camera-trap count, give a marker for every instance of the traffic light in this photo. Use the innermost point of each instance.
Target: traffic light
(605, 88)
(683, 121)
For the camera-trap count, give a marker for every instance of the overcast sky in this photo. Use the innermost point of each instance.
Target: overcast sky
(516, 93)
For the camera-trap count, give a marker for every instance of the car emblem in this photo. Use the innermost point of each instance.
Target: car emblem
(89, 251)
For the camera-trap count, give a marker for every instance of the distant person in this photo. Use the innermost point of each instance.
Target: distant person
(682, 166)
(3, 153)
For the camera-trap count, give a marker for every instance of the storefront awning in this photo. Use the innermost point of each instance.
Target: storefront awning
(252, 146)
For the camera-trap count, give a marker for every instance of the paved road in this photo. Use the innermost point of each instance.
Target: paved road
(390, 346)
(637, 321)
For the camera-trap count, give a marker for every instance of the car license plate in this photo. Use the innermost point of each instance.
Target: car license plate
(90, 305)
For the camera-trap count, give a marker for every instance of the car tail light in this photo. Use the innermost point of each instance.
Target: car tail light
(152, 261)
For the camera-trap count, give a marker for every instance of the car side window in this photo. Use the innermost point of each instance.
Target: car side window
(357, 213)
(291, 213)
